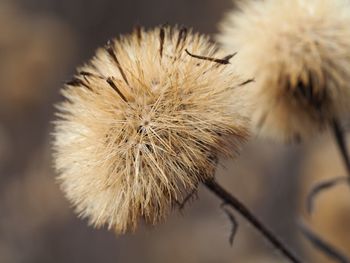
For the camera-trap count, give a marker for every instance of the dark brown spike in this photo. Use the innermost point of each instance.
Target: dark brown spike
(112, 84)
(85, 73)
(112, 54)
(216, 60)
(161, 40)
(246, 82)
(75, 82)
(228, 57)
(138, 32)
(89, 74)
(182, 36)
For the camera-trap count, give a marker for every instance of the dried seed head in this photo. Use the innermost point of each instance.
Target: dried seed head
(141, 123)
(299, 54)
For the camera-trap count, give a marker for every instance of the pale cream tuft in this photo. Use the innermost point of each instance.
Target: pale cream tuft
(142, 124)
(298, 51)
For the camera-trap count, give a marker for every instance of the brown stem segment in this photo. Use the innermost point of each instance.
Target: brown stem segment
(341, 142)
(232, 201)
(317, 241)
(328, 249)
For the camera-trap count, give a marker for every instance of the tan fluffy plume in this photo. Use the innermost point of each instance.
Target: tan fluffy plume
(141, 123)
(298, 51)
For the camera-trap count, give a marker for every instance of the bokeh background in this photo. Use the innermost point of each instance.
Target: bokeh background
(41, 43)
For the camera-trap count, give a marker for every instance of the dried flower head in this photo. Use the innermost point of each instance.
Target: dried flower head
(141, 123)
(299, 54)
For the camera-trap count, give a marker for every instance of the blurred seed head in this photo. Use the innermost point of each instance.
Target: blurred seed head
(299, 54)
(142, 124)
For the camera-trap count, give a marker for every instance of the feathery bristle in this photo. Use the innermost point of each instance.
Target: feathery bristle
(298, 51)
(140, 124)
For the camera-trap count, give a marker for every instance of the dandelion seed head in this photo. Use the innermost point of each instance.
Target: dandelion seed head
(141, 124)
(298, 53)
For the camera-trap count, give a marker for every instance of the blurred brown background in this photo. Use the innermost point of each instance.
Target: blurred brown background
(41, 42)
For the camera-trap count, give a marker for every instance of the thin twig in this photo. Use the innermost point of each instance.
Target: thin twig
(189, 197)
(233, 221)
(232, 201)
(340, 139)
(317, 241)
(322, 244)
(341, 142)
(319, 188)
(224, 61)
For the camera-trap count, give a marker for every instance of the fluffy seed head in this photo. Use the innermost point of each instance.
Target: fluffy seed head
(299, 54)
(141, 124)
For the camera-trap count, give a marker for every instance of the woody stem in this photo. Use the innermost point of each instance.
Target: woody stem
(237, 205)
(341, 143)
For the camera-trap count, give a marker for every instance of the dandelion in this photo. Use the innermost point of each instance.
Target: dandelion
(142, 125)
(299, 54)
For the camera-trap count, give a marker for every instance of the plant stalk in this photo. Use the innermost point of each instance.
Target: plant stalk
(232, 201)
(341, 143)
